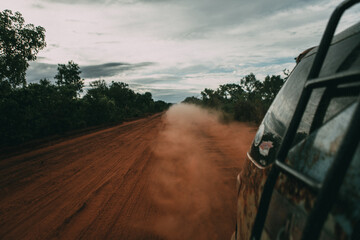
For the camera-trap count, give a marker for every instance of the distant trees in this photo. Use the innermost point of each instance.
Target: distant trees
(247, 101)
(19, 43)
(68, 76)
(116, 102)
(193, 100)
(43, 109)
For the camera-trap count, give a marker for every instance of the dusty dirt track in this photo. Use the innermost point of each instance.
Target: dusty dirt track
(169, 176)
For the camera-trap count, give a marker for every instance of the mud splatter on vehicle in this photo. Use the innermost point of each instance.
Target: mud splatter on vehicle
(301, 179)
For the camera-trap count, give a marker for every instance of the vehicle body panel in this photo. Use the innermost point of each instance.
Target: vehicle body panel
(313, 151)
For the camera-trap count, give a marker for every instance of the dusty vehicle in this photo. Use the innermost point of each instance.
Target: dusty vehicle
(301, 179)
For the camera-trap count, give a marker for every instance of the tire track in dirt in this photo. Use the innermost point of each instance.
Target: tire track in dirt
(68, 189)
(110, 184)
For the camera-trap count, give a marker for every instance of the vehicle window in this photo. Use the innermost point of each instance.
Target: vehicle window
(279, 115)
(338, 104)
(324, 104)
(345, 49)
(292, 200)
(307, 119)
(315, 154)
(276, 121)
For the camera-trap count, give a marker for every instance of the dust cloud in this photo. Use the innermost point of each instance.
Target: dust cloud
(198, 160)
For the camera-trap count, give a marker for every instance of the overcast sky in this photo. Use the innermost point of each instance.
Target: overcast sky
(175, 49)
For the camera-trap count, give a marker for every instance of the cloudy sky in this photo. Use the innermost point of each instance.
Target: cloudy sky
(175, 49)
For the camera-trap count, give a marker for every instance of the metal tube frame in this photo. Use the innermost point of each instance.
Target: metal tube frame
(337, 171)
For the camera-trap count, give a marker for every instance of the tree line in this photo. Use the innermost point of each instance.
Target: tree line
(247, 101)
(36, 110)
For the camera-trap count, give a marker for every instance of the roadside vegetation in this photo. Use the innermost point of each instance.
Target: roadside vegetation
(37, 110)
(247, 101)
(47, 108)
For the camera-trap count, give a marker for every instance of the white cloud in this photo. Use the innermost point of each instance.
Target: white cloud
(196, 44)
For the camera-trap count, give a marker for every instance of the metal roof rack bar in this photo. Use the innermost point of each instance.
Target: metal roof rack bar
(327, 36)
(312, 183)
(339, 78)
(294, 124)
(334, 178)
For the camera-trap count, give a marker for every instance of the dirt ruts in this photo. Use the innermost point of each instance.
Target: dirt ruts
(168, 176)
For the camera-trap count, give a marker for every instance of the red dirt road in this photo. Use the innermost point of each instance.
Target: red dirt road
(169, 176)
